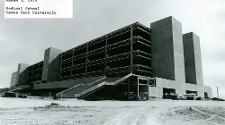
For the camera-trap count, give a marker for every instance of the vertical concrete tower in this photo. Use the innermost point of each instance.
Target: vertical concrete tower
(22, 74)
(51, 65)
(167, 50)
(193, 61)
(13, 79)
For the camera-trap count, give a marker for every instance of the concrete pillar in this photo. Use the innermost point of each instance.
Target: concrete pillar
(51, 65)
(13, 79)
(22, 74)
(193, 61)
(167, 49)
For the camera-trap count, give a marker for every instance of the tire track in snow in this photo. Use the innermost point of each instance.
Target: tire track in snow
(137, 116)
(133, 116)
(213, 115)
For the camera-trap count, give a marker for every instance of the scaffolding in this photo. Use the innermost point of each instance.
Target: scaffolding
(126, 50)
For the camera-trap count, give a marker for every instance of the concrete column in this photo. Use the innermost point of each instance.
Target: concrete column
(167, 49)
(193, 61)
(51, 65)
(22, 74)
(13, 79)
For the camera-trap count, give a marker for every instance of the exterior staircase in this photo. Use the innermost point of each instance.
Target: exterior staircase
(74, 90)
(81, 90)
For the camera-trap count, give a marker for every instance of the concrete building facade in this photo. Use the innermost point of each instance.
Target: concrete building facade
(184, 55)
(131, 63)
(51, 65)
(13, 79)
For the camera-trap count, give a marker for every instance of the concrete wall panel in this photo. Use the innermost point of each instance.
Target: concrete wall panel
(22, 74)
(51, 65)
(167, 49)
(193, 61)
(13, 79)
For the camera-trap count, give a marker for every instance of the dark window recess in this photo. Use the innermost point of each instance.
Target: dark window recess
(142, 61)
(96, 67)
(67, 55)
(66, 73)
(96, 56)
(119, 63)
(79, 51)
(141, 33)
(66, 64)
(118, 38)
(78, 70)
(34, 72)
(142, 47)
(142, 81)
(191, 92)
(118, 50)
(142, 68)
(79, 61)
(96, 45)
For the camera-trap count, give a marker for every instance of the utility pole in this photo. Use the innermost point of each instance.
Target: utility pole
(217, 89)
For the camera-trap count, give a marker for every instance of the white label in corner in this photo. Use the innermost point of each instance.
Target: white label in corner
(38, 9)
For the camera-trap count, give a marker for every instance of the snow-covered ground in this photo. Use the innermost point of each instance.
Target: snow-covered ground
(34, 111)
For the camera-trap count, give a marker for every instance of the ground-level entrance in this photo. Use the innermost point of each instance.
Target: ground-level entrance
(206, 96)
(191, 92)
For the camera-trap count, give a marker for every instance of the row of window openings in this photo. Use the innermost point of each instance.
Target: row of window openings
(136, 47)
(102, 60)
(112, 66)
(103, 55)
(71, 73)
(99, 45)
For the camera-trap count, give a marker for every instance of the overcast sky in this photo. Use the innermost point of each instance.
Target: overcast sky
(24, 40)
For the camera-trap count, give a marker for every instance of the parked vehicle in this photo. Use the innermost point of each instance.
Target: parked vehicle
(22, 96)
(9, 94)
(190, 96)
(13, 94)
(217, 99)
(170, 96)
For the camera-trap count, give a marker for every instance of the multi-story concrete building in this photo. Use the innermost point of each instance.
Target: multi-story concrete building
(131, 63)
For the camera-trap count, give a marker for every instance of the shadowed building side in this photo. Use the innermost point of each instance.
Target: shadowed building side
(13, 79)
(167, 57)
(167, 49)
(51, 65)
(193, 61)
(22, 74)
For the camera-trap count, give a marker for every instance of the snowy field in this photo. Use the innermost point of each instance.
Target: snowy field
(15, 111)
